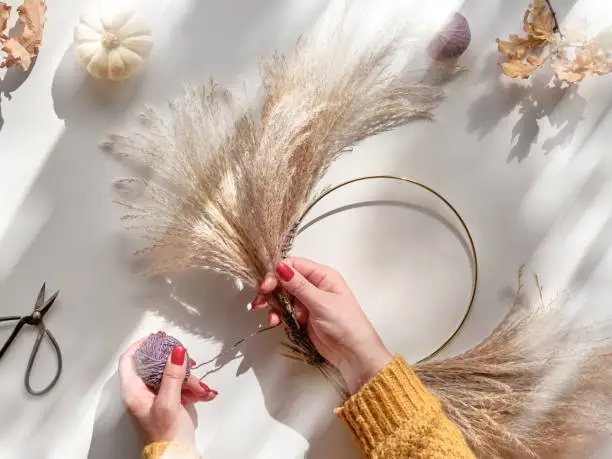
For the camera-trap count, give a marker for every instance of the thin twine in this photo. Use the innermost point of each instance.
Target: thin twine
(236, 345)
(286, 248)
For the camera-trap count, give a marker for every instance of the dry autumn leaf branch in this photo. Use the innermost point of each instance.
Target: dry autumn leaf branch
(571, 61)
(21, 48)
(556, 28)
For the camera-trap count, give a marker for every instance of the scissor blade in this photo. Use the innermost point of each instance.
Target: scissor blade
(40, 301)
(49, 303)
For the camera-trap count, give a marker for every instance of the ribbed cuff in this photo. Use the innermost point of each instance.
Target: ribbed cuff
(170, 450)
(390, 399)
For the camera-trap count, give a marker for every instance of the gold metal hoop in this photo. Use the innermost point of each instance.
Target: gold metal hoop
(448, 204)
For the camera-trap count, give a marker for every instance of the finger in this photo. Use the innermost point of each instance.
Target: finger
(173, 377)
(299, 286)
(196, 390)
(319, 275)
(189, 398)
(198, 387)
(269, 284)
(301, 313)
(260, 302)
(132, 386)
(273, 319)
(209, 397)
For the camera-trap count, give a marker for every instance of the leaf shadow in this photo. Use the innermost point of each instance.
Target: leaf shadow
(540, 100)
(497, 102)
(541, 103)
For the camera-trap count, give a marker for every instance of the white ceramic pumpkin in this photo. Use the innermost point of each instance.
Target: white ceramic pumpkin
(112, 45)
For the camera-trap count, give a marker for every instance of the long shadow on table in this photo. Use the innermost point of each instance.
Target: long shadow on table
(88, 237)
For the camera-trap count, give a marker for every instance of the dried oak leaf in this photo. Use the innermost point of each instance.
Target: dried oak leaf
(5, 12)
(517, 68)
(22, 48)
(538, 24)
(516, 48)
(590, 59)
(563, 70)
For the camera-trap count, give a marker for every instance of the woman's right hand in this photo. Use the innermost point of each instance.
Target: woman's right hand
(162, 417)
(335, 322)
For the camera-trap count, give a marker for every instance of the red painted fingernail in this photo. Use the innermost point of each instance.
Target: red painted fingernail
(192, 362)
(204, 386)
(178, 355)
(263, 282)
(284, 272)
(214, 392)
(258, 301)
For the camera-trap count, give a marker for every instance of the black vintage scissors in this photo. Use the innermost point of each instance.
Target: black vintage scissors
(36, 319)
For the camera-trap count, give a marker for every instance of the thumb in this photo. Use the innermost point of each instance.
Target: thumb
(174, 375)
(297, 285)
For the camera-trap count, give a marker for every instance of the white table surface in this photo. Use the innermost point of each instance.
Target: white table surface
(528, 166)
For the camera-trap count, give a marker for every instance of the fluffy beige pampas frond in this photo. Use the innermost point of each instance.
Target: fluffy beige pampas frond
(537, 387)
(229, 179)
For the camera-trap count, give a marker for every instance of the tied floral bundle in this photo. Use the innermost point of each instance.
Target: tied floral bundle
(227, 180)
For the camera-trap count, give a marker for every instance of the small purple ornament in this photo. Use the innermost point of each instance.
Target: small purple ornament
(452, 40)
(151, 358)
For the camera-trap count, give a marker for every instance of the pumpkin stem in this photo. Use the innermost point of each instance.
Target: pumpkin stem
(110, 41)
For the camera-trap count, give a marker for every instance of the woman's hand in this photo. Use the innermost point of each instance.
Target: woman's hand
(162, 417)
(335, 322)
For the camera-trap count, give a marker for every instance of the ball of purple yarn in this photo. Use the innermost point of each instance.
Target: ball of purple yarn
(151, 358)
(452, 40)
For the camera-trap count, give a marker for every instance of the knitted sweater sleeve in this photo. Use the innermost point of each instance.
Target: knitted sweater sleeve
(391, 417)
(394, 417)
(170, 450)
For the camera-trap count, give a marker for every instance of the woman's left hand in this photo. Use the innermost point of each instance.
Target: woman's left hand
(162, 417)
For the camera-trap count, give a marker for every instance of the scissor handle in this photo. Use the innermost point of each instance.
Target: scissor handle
(14, 334)
(42, 330)
(3, 319)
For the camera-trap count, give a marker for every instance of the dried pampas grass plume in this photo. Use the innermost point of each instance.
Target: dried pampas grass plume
(230, 179)
(537, 387)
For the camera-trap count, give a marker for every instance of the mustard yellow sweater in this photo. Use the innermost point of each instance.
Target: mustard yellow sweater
(391, 417)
